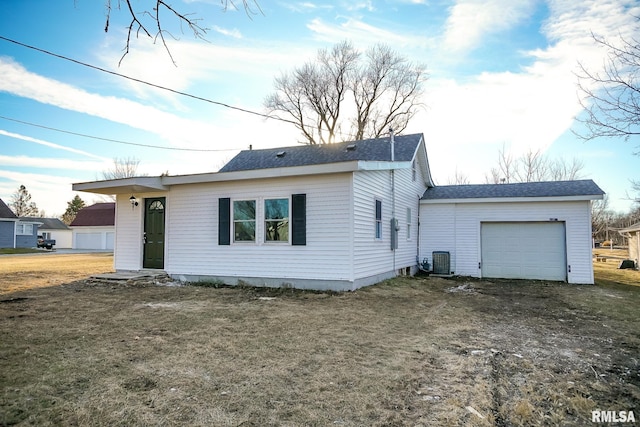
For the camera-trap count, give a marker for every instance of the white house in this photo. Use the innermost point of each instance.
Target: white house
(337, 216)
(53, 228)
(632, 234)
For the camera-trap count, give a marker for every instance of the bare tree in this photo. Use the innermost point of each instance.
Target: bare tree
(458, 178)
(563, 170)
(611, 97)
(122, 168)
(505, 172)
(149, 22)
(532, 166)
(384, 89)
(21, 203)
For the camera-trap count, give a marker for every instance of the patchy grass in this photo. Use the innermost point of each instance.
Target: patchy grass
(607, 272)
(49, 269)
(11, 251)
(410, 351)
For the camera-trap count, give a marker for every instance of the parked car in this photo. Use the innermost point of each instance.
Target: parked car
(45, 243)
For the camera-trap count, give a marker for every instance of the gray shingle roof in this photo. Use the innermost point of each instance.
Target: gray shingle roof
(377, 149)
(48, 223)
(5, 212)
(526, 189)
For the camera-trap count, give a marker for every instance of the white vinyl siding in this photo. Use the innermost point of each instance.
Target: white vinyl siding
(374, 257)
(128, 239)
(456, 228)
(192, 246)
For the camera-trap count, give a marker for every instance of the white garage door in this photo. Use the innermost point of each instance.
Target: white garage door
(110, 240)
(524, 250)
(89, 241)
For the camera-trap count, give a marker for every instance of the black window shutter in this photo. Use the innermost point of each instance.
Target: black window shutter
(299, 222)
(224, 221)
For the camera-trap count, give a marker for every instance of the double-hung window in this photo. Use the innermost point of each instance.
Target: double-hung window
(244, 220)
(276, 220)
(24, 229)
(408, 223)
(378, 219)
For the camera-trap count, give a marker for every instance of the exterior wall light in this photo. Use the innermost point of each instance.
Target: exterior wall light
(134, 201)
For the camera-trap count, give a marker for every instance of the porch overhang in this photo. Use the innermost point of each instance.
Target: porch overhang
(140, 184)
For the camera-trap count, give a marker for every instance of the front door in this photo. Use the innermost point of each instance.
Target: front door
(154, 233)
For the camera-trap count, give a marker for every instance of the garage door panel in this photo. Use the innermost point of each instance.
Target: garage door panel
(88, 240)
(523, 250)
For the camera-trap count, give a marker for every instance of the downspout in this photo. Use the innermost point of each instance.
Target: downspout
(393, 202)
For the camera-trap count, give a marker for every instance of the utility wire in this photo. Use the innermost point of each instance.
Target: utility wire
(113, 140)
(266, 116)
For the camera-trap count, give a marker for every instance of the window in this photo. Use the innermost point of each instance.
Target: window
(244, 221)
(276, 220)
(46, 235)
(408, 223)
(156, 205)
(378, 219)
(24, 229)
(413, 170)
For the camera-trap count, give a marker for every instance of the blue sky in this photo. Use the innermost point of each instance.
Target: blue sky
(501, 73)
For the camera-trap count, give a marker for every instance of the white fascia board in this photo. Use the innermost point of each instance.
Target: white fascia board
(364, 165)
(514, 199)
(261, 173)
(141, 184)
(31, 222)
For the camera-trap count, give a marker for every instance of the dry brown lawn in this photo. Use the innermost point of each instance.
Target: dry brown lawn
(22, 272)
(411, 351)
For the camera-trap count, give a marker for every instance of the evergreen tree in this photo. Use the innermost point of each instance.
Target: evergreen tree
(21, 203)
(72, 209)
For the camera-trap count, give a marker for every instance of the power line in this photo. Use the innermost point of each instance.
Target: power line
(104, 70)
(114, 140)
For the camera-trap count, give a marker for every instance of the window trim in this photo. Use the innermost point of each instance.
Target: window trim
(234, 221)
(377, 219)
(20, 229)
(409, 213)
(265, 219)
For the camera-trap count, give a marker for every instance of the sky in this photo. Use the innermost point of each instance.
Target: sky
(502, 74)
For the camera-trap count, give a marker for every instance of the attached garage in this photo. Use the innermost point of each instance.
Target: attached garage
(523, 250)
(539, 230)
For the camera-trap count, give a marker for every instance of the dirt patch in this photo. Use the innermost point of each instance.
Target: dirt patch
(411, 351)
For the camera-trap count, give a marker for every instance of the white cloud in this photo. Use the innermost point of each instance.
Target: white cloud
(54, 163)
(526, 109)
(48, 144)
(471, 20)
(359, 32)
(235, 33)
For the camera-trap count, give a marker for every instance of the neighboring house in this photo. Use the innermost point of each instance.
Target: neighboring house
(337, 216)
(27, 232)
(53, 228)
(632, 234)
(94, 227)
(8, 222)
